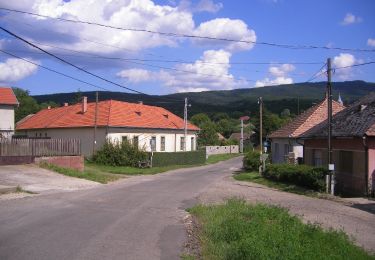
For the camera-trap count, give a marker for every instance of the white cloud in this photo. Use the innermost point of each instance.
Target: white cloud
(350, 19)
(371, 42)
(344, 60)
(280, 73)
(202, 6)
(16, 69)
(193, 77)
(227, 29)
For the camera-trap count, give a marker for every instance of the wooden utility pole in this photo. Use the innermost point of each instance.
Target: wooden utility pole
(95, 122)
(185, 122)
(260, 101)
(329, 113)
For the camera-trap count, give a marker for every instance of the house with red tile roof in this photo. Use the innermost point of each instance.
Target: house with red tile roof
(150, 127)
(353, 147)
(286, 144)
(8, 101)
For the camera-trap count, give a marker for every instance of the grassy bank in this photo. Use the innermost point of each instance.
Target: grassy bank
(256, 178)
(105, 173)
(237, 230)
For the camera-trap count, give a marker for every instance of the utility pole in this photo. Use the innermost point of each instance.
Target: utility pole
(95, 122)
(241, 141)
(260, 102)
(329, 106)
(185, 122)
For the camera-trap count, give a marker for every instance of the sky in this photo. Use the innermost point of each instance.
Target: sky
(159, 64)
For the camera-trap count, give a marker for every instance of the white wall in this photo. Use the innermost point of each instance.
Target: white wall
(210, 150)
(6, 120)
(279, 156)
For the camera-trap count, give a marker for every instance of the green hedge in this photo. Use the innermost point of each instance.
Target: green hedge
(179, 158)
(302, 175)
(251, 161)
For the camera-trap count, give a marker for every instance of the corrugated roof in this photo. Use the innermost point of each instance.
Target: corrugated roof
(355, 121)
(110, 113)
(305, 121)
(7, 96)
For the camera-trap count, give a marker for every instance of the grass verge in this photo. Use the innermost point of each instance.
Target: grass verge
(88, 174)
(256, 178)
(220, 157)
(236, 230)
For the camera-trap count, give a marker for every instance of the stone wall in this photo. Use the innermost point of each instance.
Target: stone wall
(210, 150)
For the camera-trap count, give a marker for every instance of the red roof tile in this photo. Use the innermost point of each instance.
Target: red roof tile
(7, 96)
(306, 120)
(110, 113)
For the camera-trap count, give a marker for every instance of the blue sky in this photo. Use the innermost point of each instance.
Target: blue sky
(202, 64)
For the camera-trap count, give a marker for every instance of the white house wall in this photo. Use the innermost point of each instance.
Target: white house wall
(6, 120)
(278, 155)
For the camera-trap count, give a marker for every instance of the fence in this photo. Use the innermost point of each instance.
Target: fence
(210, 150)
(40, 147)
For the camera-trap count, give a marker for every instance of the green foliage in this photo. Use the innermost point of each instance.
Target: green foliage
(179, 158)
(251, 161)
(45, 105)
(200, 119)
(28, 105)
(301, 175)
(119, 154)
(237, 231)
(208, 135)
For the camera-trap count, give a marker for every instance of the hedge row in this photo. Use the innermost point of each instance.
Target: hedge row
(179, 158)
(302, 175)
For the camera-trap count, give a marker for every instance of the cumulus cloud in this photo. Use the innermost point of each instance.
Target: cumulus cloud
(192, 77)
(227, 29)
(344, 60)
(280, 74)
(371, 42)
(350, 19)
(12, 70)
(202, 6)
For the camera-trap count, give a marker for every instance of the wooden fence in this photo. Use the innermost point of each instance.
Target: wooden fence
(40, 147)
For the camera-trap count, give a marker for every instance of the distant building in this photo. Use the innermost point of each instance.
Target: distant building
(8, 102)
(353, 147)
(149, 127)
(237, 137)
(285, 143)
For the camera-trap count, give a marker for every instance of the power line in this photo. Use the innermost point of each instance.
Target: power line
(170, 34)
(355, 65)
(69, 63)
(316, 74)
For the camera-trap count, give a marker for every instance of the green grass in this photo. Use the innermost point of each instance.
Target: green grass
(237, 230)
(88, 174)
(256, 178)
(220, 157)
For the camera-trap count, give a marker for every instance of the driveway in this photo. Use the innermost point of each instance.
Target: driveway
(38, 180)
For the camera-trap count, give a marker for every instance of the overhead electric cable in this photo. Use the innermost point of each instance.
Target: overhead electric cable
(170, 34)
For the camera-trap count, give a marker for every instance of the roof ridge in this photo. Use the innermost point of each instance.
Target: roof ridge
(311, 110)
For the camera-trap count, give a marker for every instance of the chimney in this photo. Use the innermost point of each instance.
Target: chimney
(140, 102)
(84, 105)
(66, 104)
(49, 107)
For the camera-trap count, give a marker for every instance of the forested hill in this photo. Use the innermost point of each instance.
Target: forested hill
(234, 102)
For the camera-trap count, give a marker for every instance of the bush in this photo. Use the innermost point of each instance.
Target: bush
(251, 161)
(119, 154)
(179, 158)
(301, 175)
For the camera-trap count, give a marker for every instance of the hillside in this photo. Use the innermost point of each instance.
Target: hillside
(276, 98)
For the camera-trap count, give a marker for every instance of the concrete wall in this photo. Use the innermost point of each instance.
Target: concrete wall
(72, 162)
(279, 154)
(6, 120)
(210, 150)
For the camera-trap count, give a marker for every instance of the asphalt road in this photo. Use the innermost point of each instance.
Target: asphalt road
(137, 218)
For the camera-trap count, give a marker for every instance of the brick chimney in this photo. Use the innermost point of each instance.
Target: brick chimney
(84, 105)
(66, 104)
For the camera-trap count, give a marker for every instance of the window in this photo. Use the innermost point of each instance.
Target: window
(124, 138)
(153, 143)
(318, 161)
(135, 141)
(162, 143)
(276, 149)
(192, 144)
(182, 143)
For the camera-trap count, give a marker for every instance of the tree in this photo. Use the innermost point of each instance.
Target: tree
(220, 116)
(208, 135)
(200, 119)
(27, 104)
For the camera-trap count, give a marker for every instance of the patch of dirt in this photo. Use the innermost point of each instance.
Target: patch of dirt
(192, 245)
